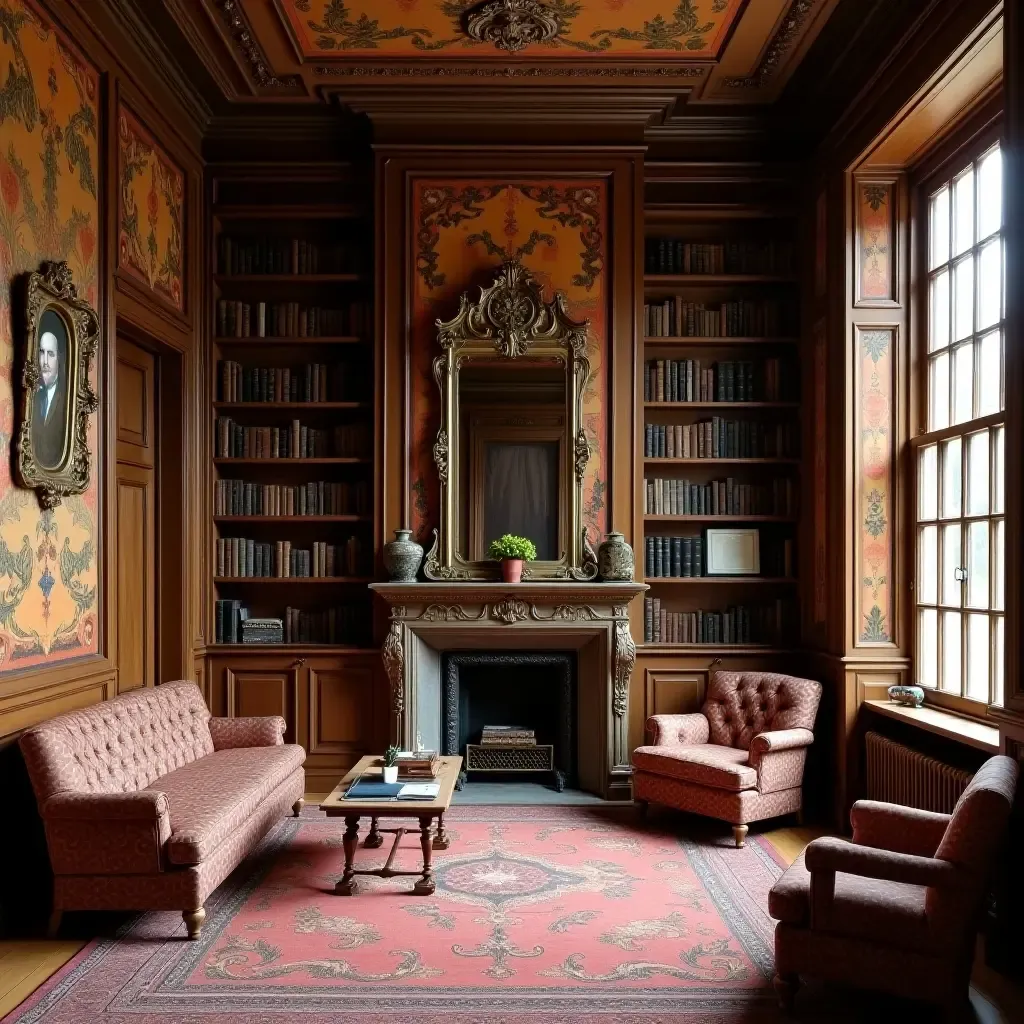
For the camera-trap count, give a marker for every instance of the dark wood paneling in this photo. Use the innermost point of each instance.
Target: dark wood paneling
(258, 691)
(340, 708)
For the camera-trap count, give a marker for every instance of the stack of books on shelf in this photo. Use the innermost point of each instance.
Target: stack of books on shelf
(418, 764)
(314, 382)
(719, 438)
(297, 441)
(342, 624)
(664, 255)
(673, 556)
(229, 616)
(735, 318)
(240, 557)
(237, 319)
(279, 256)
(507, 736)
(737, 624)
(687, 380)
(316, 498)
(673, 496)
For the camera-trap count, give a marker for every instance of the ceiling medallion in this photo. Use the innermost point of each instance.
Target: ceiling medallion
(513, 25)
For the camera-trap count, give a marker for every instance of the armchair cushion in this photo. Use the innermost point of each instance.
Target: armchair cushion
(702, 763)
(740, 705)
(897, 828)
(672, 730)
(247, 732)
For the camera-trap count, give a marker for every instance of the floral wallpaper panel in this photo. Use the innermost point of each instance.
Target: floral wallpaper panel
(150, 212)
(875, 240)
(49, 210)
(874, 481)
(463, 230)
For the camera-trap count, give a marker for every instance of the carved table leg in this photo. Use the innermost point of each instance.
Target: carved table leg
(345, 885)
(425, 886)
(440, 836)
(374, 839)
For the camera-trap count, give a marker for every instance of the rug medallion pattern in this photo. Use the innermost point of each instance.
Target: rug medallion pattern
(558, 912)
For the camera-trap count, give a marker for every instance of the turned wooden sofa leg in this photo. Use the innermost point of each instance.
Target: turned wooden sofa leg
(53, 925)
(297, 807)
(786, 986)
(739, 833)
(194, 921)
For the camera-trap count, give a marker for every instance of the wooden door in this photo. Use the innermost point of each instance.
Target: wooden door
(136, 504)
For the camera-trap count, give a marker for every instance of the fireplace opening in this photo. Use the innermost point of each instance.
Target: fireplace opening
(529, 692)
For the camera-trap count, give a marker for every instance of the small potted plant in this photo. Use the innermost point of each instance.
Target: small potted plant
(512, 551)
(391, 764)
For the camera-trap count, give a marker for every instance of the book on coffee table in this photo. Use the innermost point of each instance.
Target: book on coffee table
(375, 789)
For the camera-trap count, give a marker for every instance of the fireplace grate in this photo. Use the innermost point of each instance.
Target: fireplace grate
(493, 758)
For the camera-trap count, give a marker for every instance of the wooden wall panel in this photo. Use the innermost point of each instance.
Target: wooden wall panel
(340, 708)
(136, 612)
(674, 692)
(260, 691)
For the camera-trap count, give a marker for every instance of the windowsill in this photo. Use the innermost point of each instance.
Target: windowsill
(941, 723)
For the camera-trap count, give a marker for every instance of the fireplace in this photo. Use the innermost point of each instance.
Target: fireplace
(533, 689)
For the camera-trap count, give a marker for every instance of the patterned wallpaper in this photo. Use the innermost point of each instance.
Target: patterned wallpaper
(875, 236)
(150, 212)
(686, 29)
(462, 230)
(49, 210)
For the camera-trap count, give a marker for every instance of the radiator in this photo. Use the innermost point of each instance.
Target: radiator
(900, 775)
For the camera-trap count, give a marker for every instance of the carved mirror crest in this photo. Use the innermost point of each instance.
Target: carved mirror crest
(511, 451)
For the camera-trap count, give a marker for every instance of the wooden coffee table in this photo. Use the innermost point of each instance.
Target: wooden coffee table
(336, 806)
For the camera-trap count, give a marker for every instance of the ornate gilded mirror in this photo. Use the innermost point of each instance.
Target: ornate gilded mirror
(511, 451)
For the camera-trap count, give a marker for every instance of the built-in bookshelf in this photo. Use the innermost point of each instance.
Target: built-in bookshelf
(720, 445)
(291, 448)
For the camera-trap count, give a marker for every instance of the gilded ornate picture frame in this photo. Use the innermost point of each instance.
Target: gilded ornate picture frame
(60, 336)
(511, 321)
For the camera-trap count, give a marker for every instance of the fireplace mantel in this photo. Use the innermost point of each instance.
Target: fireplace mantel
(427, 619)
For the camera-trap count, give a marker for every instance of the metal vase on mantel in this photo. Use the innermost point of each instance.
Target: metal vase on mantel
(615, 559)
(402, 557)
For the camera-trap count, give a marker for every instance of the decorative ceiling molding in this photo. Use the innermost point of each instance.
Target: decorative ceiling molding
(789, 33)
(510, 71)
(512, 25)
(245, 41)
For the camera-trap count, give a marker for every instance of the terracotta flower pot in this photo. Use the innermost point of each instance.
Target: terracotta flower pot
(511, 570)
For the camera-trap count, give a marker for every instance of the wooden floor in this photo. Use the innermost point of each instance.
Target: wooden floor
(26, 964)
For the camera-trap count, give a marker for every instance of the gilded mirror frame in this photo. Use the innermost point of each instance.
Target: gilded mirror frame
(511, 320)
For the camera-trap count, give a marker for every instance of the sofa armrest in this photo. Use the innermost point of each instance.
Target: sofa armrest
(781, 739)
(247, 732)
(106, 833)
(673, 730)
(900, 829)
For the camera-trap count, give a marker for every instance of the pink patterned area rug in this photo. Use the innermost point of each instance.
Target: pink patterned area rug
(555, 913)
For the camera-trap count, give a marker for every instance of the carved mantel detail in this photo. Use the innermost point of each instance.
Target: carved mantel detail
(509, 610)
(625, 659)
(393, 656)
(512, 25)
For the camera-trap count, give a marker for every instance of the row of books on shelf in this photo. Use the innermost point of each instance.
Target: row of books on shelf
(737, 624)
(244, 557)
(315, 498)
(340, 624)
(719, 438)
(684, 557)
(268, 255)
(673, 496)
(297, 441)
(664, 255)
(690, 380)
(312, 382)
(734, 318)
(237, 319)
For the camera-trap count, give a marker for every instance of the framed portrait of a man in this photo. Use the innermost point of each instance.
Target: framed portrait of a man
(61, 332)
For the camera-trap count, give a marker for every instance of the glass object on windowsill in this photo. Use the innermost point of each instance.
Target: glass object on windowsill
(911, 696)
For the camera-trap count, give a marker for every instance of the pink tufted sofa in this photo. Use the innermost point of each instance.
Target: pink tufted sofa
(149, 803)
(741, 759)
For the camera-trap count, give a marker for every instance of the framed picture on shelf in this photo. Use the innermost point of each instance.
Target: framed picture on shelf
(732, 552)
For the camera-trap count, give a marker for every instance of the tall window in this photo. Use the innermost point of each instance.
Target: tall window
(959, 590)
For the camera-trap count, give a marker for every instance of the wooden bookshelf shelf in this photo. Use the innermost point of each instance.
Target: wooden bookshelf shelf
(694, 341)
(291, 341)
(721, 405)
(723, 462)
(292, 580)
(310, 211)
(662, 280)
(717, 518)
(333, 461)
(222, 279)
(235, 406)
(292, 648)
(293, 519)
(669, 648)
(743, 580)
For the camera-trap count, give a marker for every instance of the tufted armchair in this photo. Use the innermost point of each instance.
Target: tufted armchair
(741, 759)
(149, 803)
(896, 909)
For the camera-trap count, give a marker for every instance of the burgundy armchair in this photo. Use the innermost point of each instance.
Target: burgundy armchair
(896, 909)
(741, 759)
